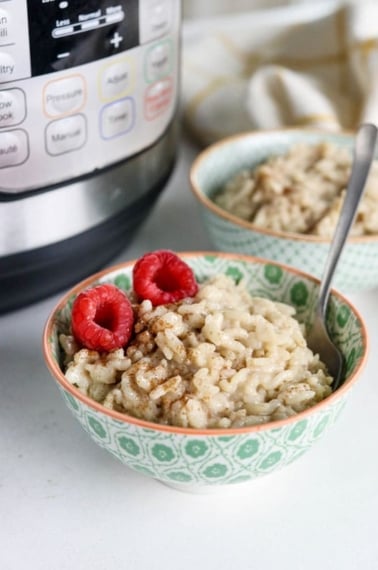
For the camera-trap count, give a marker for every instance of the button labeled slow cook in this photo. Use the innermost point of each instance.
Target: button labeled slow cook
(12, 107)
(117, 118)
(14, 148)
(64, 96)
(66, 135)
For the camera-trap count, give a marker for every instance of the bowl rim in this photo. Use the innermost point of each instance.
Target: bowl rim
(209, 204)
(59, 377)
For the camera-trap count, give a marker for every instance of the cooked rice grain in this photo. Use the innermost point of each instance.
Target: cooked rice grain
(220, 359)
(301, 191)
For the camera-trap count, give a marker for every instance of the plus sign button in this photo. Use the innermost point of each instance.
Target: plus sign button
(116, 40)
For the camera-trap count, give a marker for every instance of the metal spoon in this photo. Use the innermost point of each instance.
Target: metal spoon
(317, 338)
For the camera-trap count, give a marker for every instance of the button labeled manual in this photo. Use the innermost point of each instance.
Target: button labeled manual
(66, 135)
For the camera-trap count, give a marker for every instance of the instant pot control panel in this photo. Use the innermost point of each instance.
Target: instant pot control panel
(84, 84)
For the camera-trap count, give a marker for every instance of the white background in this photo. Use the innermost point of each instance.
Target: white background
(66, 504)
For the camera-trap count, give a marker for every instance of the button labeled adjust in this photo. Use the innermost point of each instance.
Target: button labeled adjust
(116, 79)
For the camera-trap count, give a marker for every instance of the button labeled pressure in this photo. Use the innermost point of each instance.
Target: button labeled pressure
(64, 96)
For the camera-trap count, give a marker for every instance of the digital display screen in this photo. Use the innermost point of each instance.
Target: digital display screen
(68, 33)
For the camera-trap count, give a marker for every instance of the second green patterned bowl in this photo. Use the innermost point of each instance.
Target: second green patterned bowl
(221, 161)
(198, 460)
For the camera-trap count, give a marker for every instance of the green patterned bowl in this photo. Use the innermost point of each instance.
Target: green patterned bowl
(358, 266)
(196, 460)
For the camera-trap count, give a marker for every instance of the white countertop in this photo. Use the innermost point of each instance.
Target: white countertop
(65, 504)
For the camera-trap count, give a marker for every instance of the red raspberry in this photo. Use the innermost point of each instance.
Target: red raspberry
(102, 318)
(162, 277)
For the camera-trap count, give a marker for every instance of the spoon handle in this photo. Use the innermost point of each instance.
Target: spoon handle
(364, 150)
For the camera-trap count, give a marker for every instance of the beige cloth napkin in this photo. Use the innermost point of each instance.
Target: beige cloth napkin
(285, 68)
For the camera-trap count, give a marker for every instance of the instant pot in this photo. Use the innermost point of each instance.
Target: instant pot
(88, 134)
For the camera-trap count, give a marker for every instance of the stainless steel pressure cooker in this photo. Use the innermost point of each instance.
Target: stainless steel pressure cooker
(88, 134)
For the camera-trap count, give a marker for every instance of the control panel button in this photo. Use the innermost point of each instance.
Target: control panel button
(12, 107)
(14, 41)
(86, 85)
(7, 67)
(158, 98)
(155, 19)
(65, 34)
(158, 61)
(14, 148)
(63, 96)
(117, 118)
(116, 79)
(66, 135)
(116, 40)
(6, 28)
(91, 21)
